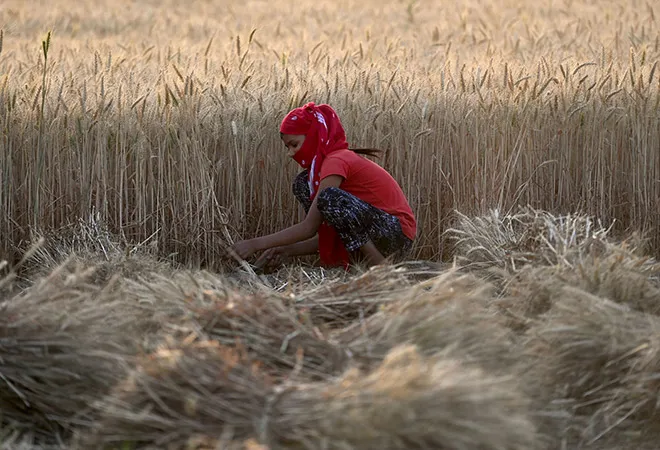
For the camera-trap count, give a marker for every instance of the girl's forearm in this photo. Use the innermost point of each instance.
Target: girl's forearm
(297, 233)
(306, 247)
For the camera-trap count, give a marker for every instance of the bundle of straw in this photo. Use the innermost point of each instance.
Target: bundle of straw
(89, 242)
(617, 274)
(63, 343)
(281, 337)
(600, 360)
(209, 306)
(504, 243)
(407, 402)
(343, 301)
(182, 392)
(452, 311)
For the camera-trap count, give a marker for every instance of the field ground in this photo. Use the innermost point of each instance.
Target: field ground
(140, 138)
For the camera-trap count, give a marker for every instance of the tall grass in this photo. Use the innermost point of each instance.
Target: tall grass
(162, 119)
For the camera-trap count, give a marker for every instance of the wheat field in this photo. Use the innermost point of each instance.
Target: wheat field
(140, 138)
(162, 117)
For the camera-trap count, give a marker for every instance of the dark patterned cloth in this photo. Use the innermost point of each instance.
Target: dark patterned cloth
(356, 221)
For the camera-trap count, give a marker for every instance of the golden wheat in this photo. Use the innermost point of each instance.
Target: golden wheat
(162, 117)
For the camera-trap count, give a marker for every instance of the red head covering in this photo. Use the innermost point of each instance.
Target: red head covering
(324, 134)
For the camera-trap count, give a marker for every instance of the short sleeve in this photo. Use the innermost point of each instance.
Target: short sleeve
(335, 165)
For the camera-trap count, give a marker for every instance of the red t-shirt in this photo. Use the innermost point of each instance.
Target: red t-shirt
(371, 183)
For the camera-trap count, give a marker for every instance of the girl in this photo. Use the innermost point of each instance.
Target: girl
(353, 206)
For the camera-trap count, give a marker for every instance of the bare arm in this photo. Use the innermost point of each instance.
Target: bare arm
(296, 233)
(307, 247)
(302, 231)
(274, 255)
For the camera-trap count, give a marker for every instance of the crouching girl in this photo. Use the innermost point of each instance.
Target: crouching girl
(355, 210)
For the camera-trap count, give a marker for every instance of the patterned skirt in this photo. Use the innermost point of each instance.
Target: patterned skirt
(356, 221)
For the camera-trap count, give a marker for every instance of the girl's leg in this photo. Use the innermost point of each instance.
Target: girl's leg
(301, 190)
(361, 225)
(371, 254)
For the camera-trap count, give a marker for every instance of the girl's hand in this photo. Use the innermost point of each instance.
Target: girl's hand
(272, 256)
(244, 249)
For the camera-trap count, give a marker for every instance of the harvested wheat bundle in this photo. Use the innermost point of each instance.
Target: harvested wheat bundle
(494, 242)
(179, 393)
(63, 342)
(407, 402)
(90, 243)
(16, 439)
(452, 311)
(341, 302)
(527, 295)
(284, 338)
(294, 278)
(195, 442)
(601, 361)
(623, 440)
(9, 283)
(301, 279)
(163, 301)
(617, 274)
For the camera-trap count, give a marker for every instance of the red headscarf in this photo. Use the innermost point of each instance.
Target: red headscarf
(324, 134)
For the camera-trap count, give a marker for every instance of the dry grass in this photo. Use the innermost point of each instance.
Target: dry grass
(163, 118)
(601, 358)
(286, 330)
(144, 140)
(503, 244)
(450, 313)
(309, 358)
(89, 243)
(407, 401)
(529, 253)
(268, 327)
(617, 275)
(63, 342)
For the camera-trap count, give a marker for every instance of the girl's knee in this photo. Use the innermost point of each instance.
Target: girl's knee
(328, 197)
(300, 187)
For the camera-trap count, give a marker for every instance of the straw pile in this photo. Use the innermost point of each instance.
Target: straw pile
(68, 337)
(408, 401)
(554, 352)
(283, 338)
(265, 324)
(342, 301)
(452, 311)
(182, 392)
(90, 243)
(616, 273)
(62, 344)
(497, 245)
(296, 331)
(285, 330)
(601, 361)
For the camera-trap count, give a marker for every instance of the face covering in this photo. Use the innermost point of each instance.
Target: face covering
(323, 133)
